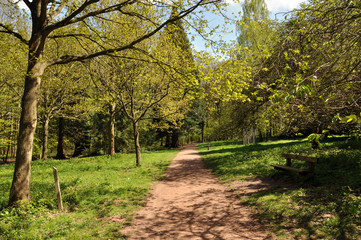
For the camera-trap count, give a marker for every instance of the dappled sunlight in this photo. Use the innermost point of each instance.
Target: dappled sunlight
(191, 204)
(328, 204)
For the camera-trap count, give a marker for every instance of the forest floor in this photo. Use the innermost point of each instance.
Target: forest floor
(190, 203)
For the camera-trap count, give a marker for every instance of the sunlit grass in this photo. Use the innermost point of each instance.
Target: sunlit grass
(100, 195)
(327, 206)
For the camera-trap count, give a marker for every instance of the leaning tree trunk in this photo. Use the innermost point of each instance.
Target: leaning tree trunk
(44, 154)
(136, 143)
(20, 188)
(112, 129)
(60, 150)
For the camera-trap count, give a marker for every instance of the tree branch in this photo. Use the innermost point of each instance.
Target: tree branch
(13, 33)
(67, 58)
(71, 19)
(54, 12)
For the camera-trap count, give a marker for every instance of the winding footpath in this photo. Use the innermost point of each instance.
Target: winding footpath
(190, 203)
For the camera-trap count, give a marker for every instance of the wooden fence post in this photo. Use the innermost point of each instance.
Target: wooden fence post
(57, 187)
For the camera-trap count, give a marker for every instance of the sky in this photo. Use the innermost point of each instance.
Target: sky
(276, 7)
(282, 5)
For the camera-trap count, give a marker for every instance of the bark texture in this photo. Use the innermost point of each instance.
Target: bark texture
(20, 188)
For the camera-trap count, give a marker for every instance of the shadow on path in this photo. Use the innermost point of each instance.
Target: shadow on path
(190, 203)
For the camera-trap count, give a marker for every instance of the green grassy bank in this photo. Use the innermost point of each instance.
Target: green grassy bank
(100, 195)
(327, 206)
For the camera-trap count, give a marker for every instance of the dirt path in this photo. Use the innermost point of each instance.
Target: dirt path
(190, 203)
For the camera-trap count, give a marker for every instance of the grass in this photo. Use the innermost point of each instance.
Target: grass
(328, 206)
(100, 194)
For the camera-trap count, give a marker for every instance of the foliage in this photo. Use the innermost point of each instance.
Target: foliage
(255, 30)
(298, 75)
(107, 188)
(352, 122)
(313, 69)
(12, 71)
(314, 139)
(232, 92)
(324, 207)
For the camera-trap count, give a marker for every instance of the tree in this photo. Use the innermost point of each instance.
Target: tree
(255, 31)
(177, 40)
(139, 87)
(47, 17)
(224, 82)
(112, 112)
(314, 68)
(145, 85)
(63, 95)
(195, 120)
(310, 74)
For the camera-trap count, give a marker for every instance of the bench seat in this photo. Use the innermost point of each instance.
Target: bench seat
(287, 168)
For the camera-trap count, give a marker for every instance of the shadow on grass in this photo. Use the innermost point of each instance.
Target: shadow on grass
(327, 206)
(248, 148)
(315, 212)
(229, 160)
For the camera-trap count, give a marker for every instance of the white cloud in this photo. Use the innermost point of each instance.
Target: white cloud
(283, 5)
(275, 6)
(22, 5)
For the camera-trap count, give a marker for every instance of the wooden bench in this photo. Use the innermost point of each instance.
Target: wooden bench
(288, 167)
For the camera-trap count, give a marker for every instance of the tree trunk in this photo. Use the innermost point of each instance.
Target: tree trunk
(20, 188)
(175, 139)
(5, 159)
(168, 141)
(78, 149)
(60, 150)
(3, 154)
(9, 148)
(136, 144)
(14, 147)
(112, 129)
(202, 128)
(44, 154)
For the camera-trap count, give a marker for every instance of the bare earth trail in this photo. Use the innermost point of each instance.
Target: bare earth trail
(190, 203)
